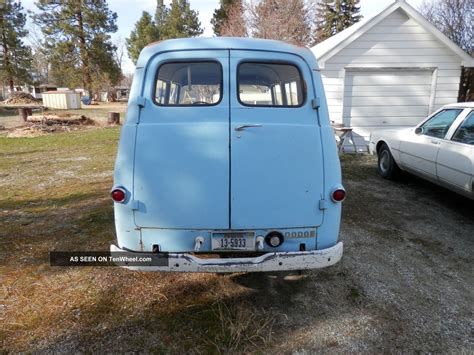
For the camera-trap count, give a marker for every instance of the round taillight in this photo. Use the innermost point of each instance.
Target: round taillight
(338, 195)
(118, 195)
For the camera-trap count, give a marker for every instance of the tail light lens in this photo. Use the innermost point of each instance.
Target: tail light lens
(118, 194)
(338, 195)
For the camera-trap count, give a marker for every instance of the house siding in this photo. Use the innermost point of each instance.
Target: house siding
(396, 42)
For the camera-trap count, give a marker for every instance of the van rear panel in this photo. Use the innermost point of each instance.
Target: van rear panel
(184, 241)
(225, 150)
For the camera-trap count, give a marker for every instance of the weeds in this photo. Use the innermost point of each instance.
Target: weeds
(55, 309)
(241, 327)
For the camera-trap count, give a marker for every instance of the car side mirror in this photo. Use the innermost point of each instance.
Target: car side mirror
(418, 130)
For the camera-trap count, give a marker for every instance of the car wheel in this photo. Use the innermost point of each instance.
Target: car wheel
(387, 167)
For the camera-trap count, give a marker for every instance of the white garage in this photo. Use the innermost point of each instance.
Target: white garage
(389, 71)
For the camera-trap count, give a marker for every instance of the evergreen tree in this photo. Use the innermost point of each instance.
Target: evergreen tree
(161, 16)
(77, 39)
(336, 16)
(221, 16)
(178, 21)
(15, 56)
(144, 33)
(182, 21)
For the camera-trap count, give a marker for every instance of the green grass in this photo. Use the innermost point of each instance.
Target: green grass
(55, 166)
(55, 196)
(55, 186)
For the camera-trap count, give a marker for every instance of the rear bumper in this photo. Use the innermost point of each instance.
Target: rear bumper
(281, 261)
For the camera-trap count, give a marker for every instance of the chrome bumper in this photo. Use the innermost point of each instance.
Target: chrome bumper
(282, 261)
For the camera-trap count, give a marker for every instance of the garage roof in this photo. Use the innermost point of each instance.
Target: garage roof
(330, 47)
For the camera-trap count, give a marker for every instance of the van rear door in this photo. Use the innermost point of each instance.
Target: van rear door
(181, 169)
(276, 153)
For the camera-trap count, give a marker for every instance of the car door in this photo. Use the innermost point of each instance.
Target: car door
(276, 154)
(419, 148)
(455, 162)
(181, 169)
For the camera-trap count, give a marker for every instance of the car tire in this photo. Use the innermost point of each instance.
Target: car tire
(387, 167)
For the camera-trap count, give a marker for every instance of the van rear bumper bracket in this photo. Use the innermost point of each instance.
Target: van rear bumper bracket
(279, 261)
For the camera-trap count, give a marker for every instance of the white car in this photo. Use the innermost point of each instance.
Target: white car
(439, 149)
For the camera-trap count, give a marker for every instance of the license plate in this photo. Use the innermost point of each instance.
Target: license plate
(233, 241)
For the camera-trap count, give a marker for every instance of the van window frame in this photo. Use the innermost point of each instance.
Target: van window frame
(281, 62)
(189, 61)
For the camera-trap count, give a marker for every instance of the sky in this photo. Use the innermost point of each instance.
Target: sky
(129, 12)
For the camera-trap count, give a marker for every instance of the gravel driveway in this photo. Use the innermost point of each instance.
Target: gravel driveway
(405, 283)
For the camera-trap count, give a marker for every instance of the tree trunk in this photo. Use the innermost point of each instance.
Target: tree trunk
(86, 75)
(113, 118)
(5, 55)
(24, 113)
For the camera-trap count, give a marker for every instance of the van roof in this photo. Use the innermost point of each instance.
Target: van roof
(212, 43)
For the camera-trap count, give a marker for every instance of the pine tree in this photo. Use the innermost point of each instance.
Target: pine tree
(144, 33)
(221, 16)
(161, 16)
(77, 39)
(350, 13)
(15, 56)
(178, 21)
(182, 21)
(336, 16)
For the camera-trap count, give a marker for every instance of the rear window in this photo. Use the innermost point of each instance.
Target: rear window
(187, 84)
(270, 84)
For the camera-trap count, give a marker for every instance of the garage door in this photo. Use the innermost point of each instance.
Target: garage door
(384, 98)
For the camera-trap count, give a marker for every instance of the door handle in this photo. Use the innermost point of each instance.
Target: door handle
(241, 128)
(436, 142)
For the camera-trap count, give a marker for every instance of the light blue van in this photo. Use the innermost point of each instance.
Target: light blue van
(227, 161)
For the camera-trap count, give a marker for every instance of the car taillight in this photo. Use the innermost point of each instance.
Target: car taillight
(338, 195)
(118, 194)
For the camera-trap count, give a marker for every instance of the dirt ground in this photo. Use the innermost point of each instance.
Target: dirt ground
(9, 118)
(404, 284)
